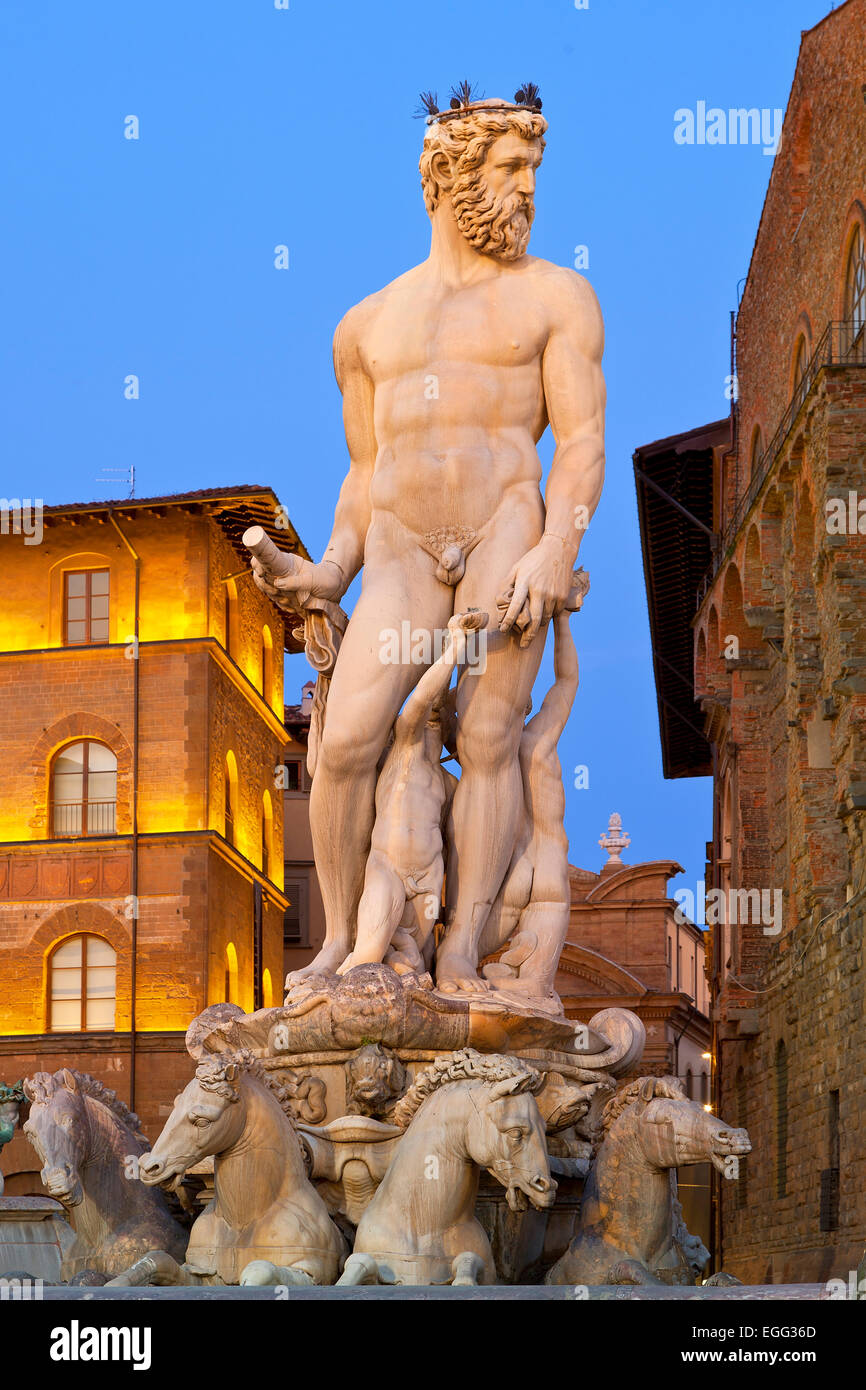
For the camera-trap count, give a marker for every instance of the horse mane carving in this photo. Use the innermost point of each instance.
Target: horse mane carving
(216, 1074)
(465, 1065)
(41, 1087)
(645, 1089)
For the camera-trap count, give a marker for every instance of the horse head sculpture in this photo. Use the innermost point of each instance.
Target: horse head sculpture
(265, 1216)
(673, 1130)
(206, 1119)
(628, 1219)
(58, 1127)
(467, 1112)
(89, 1145)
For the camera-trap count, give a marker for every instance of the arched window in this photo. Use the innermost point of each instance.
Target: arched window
(267, 990)
(82, 974)
(781, 1079)
(230, 618)
(267, 833)
(84, 790)
(855, 283)
(267, 666)
(230, 796)
(231, 974)
(800, 363)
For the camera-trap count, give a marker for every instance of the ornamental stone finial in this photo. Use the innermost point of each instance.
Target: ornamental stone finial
(614, 840)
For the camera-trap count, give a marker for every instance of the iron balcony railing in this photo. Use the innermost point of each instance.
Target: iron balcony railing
(842, 344)
(84, 818)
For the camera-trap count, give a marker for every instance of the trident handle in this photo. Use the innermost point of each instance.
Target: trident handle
(277, 562)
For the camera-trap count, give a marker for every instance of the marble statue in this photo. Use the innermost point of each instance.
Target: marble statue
(406, 1114)
(264, 1206)
(628, 1220)
(89, 1144)
(466, 1113)
(450, 374)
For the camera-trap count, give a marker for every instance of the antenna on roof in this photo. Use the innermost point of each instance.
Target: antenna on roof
(120, 475)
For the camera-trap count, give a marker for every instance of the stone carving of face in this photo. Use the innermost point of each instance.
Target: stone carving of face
(374, 1078)
(494, 206)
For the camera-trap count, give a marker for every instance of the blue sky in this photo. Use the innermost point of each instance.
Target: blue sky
(261, 127)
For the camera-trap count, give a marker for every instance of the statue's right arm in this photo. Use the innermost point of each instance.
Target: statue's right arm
(547, 725)
(345, 549)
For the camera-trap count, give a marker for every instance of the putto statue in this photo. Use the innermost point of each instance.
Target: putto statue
(449, 376)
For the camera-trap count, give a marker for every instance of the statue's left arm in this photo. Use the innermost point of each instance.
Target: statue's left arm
(574, 394)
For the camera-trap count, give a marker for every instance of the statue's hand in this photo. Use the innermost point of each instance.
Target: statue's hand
(292, 591)
(536, 588)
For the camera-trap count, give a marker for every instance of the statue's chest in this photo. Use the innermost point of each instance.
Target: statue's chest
(490, 326)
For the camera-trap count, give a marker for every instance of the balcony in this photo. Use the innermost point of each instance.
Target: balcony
(842, 344)
(72, 819)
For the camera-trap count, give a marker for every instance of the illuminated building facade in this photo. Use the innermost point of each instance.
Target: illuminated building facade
(141, 801)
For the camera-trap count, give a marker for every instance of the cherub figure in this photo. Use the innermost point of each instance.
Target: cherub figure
(533, 904)
(402, 895)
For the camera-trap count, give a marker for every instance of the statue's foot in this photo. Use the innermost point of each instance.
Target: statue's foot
(332, 955)
(535, 993)
(360, 1269)
(263, 1274)
(466, 1269)
(456, 974)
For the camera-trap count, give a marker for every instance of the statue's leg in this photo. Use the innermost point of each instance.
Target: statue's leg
(360, 1269)
(371, 680)
(466, 1269)
(379, 912)
(488, 802)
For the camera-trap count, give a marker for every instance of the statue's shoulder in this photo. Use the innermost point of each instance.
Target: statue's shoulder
(356, 321)
(559, 282)
(571, 304)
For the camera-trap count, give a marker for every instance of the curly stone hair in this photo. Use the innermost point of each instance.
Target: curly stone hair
(40, 1088)
(466, 140)
(465, 1065)
(645, 1088)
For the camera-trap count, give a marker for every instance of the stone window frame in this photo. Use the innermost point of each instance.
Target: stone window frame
(72, 728)
(83, 936)
(85, 833)
(855, 223)
(97, 920)
(88, 596)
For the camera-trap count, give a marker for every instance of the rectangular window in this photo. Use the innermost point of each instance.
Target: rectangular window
(85, 607)
(295, 921)
(294, 775)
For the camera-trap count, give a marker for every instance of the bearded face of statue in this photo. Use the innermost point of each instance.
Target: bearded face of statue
(494, 205)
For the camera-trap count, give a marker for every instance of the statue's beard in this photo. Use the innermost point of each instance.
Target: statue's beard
(497, 226)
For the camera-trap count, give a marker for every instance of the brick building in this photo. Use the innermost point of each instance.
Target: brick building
(141, 824)
(755, 563)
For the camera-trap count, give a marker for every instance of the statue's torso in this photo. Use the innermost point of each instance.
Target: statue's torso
(458, 397)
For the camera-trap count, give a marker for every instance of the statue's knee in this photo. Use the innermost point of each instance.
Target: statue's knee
(347, 753)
